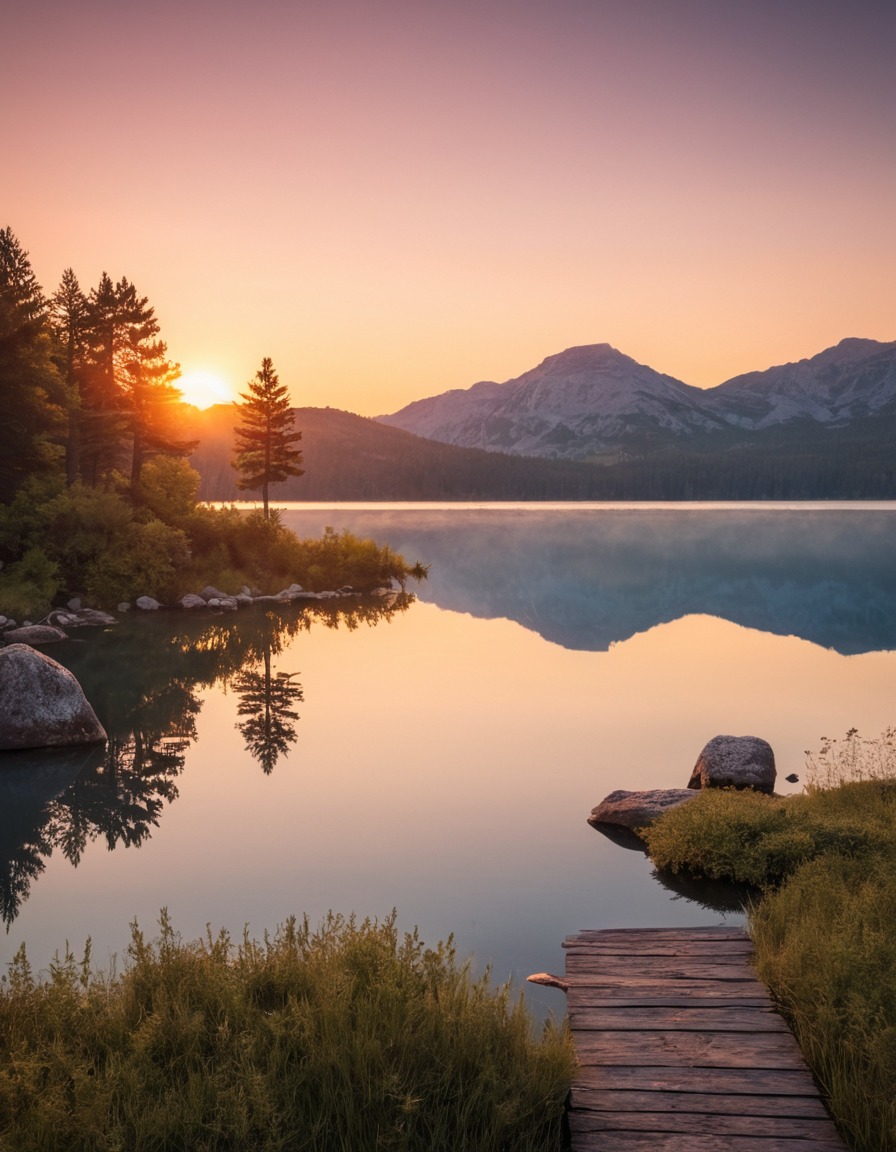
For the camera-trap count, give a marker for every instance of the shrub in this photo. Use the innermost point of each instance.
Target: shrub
(27, 588)
(348, 1037)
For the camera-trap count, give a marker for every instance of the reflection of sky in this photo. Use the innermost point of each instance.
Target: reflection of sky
(446, 765)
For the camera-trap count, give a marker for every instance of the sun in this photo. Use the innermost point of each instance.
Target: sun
(203, 388)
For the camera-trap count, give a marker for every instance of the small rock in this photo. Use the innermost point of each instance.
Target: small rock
(346, 591)
(209, 592)
(35, 634)
(74, 604)
(123, 607)
(41, 703)
(735, 762)
(228, 603)
(191, 600)
(10, 623)
(243, 599)
(295, 588)
(638, 809)
(147, 604)
(214, 602)
(95, 618)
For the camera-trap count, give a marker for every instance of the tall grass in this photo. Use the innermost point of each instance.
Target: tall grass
(824, 921)
(348, 1037)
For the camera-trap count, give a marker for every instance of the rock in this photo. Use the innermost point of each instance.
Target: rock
(95, 618)
(4, 620)
(35, 634)
(214, 602)
(638, 809)
(60, 619)
(295, 588)
(209, 592)
(306, 596)
(243, 599)
(123, 607)
(347, 590)
(735, 762)
(147, 604)
(10, 623)
(74, 604)
(228, 603)
(191, 600)
(42, 705)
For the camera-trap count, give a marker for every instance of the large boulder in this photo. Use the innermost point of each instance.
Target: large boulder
(735, 762)
(42, 705)
(636, 810)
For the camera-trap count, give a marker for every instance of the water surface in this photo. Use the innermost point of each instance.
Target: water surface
(442, 757)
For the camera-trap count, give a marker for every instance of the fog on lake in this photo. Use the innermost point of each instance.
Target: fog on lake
(441, 755)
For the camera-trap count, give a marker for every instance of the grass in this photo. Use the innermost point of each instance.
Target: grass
(348, 1037)
(824, 920)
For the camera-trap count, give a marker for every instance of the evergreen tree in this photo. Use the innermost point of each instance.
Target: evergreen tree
(129, 386)
(265, 437)
(30, 388)
(69, 318)
(267, 700)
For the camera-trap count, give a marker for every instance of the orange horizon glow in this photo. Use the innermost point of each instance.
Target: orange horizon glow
(395, 200)
(202, 388)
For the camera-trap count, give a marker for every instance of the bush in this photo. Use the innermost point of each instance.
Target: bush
(348, 1037)
(27, 588)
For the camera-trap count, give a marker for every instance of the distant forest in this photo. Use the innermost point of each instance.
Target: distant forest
(348, 457)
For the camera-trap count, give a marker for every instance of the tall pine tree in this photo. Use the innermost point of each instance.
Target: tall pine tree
(30, 387)
(265, 436)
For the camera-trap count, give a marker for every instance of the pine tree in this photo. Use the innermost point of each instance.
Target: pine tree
(69, 320)
(265, 437)
(30, 388)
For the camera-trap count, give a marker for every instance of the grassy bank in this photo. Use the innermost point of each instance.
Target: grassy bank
(350, 1037)
(824, 921)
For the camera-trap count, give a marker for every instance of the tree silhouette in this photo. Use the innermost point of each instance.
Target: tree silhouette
(265, 437)
(266, 701)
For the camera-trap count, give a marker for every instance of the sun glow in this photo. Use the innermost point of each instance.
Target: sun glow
(203, 388)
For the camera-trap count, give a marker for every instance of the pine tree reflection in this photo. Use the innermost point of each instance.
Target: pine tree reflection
(143, 679)
(266, 701)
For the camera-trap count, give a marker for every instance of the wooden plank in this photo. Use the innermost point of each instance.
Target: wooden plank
(584, 1097)
(666, 968)
(598, 996)
(584, 1140)
(768, 1127)
(685, 1049)
(684, 1019)
(681, 986)
(740, 1082)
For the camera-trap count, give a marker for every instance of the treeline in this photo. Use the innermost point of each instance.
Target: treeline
(86, 384)
(348, 457)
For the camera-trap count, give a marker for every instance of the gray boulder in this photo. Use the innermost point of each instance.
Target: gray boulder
(147, 604)
(42, 705)
(210, 592)
(35, 634)
(735, 762)
(74, 604)
(636, 810)
(191, 600)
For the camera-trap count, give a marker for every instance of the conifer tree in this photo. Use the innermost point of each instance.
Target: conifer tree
(69, 319)
(29, 382)
(265, 436)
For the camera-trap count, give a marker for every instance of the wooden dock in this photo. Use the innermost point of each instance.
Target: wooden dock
(680, 1049)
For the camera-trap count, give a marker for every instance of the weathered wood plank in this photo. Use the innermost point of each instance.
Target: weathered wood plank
(599, 996)
(665, 968)
(686, 1049)
(702, 1124)
(585, 1141)
(680, 985)
(586, 1098)
(731, 1081)
(684, 1019)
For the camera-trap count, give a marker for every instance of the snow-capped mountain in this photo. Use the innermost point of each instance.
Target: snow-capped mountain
(593, 402)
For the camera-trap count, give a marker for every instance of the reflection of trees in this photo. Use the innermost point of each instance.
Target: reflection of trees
(266, 701)
(143, 679)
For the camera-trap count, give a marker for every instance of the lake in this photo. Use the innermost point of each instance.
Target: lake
(441, 755)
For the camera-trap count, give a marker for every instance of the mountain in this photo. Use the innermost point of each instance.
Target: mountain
(593, 403)
(349, 457)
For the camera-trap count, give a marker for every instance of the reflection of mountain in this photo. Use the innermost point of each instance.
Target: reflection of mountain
(586, 579)
(142, 678)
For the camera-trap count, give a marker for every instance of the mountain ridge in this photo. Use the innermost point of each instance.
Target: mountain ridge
(594, 403)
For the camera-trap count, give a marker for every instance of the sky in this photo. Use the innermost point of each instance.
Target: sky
(395, 198)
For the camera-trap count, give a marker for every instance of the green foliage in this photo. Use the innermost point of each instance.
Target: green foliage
(350, 1037)
(28, 587)
(823, 925)
(148, 560)
(168, 487)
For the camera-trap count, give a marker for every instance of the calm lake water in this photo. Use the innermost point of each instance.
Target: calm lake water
(442, 757)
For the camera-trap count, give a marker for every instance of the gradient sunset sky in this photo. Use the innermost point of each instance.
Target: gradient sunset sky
(391, 199)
